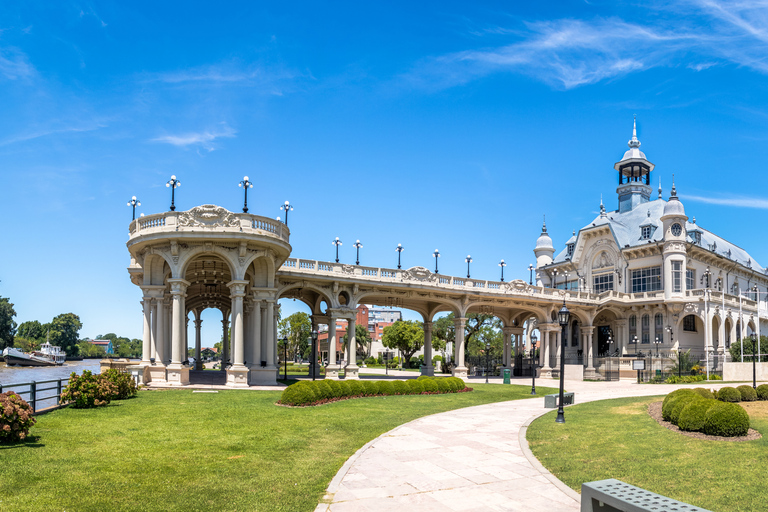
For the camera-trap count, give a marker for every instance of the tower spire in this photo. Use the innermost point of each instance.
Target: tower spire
(602, 207)
(544, 226)
(659, 187)
(634, 142)
(674, 190)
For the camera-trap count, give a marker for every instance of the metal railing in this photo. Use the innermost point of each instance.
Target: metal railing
(36, 395)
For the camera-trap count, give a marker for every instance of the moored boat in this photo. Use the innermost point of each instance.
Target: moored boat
(48, 355)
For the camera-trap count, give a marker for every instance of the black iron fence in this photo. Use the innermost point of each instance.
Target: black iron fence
(40, 395)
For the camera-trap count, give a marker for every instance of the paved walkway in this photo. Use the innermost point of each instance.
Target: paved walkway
(473, 459)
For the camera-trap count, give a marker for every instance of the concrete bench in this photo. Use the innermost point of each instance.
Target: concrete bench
(550, 401)
(615, 496)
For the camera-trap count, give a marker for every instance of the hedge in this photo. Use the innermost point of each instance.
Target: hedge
(727, 420)
(704, 392)
(669, 401)
(692, 411)
(693, 415)
(748, 394)
(729, 394)
(307, 392)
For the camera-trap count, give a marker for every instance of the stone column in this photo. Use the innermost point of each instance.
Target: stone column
(237, 374)
(185, 343)
(546, 347)
(507, 352)
(260, 375)
(460, 370)
(177, 373)
(224, 342)
(275, 318)
(153, 331)
(427, 368)
(271, 337)
(168, 327)
(160, 343)
(351, 371)
(589, 333)
(146, 344)
(198, 341)
(332, 370)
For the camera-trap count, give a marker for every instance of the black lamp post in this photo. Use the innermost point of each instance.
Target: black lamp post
(562, 316)
(436, 255)
(245, 184)
(337, 243)
(285, 357)
(399, 249)
(658, 341)
(173, 184)
(610, 343)
(672, 341)
(502, 265)
(530, 279)
(134, 202)
(534, 339)
(314, 353)
(754, 374)
(288, 208)
(357, 245)
(468, 259)
(487, 359)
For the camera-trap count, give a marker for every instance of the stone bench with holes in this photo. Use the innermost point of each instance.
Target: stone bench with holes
(550, 401)
(615, 496)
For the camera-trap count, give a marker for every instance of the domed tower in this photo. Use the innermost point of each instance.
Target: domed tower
(634, 175)
(674, 253)
(544, 250)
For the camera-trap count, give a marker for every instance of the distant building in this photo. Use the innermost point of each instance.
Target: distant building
(105, 344)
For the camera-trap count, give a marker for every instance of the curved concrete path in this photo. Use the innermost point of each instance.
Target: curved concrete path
(473, 459)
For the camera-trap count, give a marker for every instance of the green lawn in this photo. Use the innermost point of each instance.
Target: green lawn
(618, 439)
(178, 450)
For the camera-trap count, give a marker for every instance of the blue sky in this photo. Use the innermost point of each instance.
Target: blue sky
(437, 125)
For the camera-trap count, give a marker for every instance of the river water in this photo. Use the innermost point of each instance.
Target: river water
(11, 376)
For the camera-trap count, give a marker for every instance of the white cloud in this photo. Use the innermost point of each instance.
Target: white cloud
(44, 132)
(14, 64)
(742, 202)
(202, 139)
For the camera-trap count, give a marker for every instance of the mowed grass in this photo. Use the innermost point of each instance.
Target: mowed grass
(618, 439)
(179, 450)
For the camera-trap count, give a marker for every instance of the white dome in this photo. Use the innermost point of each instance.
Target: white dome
(674, 207)
(544, 242)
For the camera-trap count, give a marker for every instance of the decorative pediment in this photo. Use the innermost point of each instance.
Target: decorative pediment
(208, 216)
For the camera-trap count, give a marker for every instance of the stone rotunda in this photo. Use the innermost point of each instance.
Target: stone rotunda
(208, 257)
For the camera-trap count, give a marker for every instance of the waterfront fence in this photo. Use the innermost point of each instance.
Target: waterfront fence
(40, 395)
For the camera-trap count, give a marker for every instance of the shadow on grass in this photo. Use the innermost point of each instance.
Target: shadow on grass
(29, 442)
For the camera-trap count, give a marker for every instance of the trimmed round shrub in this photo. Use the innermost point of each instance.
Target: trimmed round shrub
(666, 406)
(416, 386)
(422, 377)
(430, 385)
(335, 387)
(15, 418)
(443, 385)
(401, 388)
(693, 415)
(727, 420)
(356, 387)
(301, 393)
(386, 388)
(748, 394)
(323, 390)
(704, 392)
(461, 385)
(679, 403)
(345, 389)
(762, 391)
(729, 394)
(371, 387)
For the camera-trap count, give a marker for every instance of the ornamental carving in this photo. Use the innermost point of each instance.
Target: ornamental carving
(208, 216)
(520, 286)
(348, 269)
(602, 261)
(419, 274)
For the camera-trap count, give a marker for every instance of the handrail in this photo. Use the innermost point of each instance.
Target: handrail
(33, 390)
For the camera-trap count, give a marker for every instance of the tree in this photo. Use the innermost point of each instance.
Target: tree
(735, 348)
(475, 331)
(32, 330)
(7, 323)
(65, 330)
(297, 328)
(25, 344)
(407, 336)
(87, 349)
(362, 339)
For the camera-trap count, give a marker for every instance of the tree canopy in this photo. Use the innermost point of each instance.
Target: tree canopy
(407, 336)
(297, 328)
(7, 323)
(362, 339)
(65, 329)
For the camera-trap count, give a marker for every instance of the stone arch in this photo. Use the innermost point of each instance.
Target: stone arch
(263, 269)
(312, 302)
(155, 269)
(207, 250)
(594, 261)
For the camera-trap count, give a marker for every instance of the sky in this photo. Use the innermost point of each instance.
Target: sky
(430, 124)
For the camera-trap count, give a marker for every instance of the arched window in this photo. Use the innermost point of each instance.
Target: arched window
(646, 326)
(689, 323)
(632, 327)
(659, 326)
(575, 334)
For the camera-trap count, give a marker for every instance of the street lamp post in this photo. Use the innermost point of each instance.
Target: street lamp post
(357, 245)
(754, 368)
(468, 259)
(285, 357)
(134, 202)
(487, 359)
(563, 316)
(658, 341)
(530, 279)
(610, 342)
(534, 339)
(399, 249)
(671, 342)
(436, 255)
(245, 184)
(314, 353)
(288, 208)
(337, 243)
(173, 183)
(502, 265)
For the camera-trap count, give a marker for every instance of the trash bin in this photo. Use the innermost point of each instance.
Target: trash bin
(507, 373)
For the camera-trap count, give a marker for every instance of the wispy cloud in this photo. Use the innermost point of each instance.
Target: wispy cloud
(204, 139)
(14, 64)
(742, 202)
(45, 132)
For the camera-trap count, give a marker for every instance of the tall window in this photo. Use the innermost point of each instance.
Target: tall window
(690, 279)
(689, 323)
(603, 283)
(570, 249)
(735, 288)
(632, 327)
(646, 338)
(645, 232)
(575, 334)
(677, 278)
(646, 279)
(659, 322)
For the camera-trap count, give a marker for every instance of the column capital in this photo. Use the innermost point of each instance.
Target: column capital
(198, 323)
(460, 321)
(427, 326)
(587, 329)
(508, 330)
(153, 291)
(237, 287)
(342, 313)
(178, 286)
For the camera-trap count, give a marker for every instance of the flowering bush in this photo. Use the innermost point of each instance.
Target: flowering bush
(15, 418)
(126, 386)
(88, 390)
